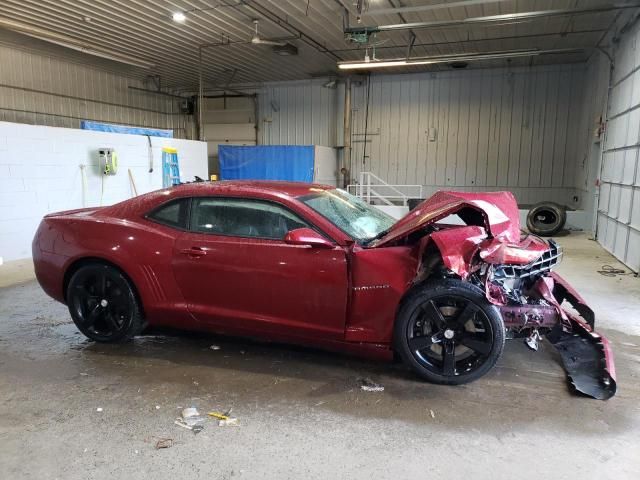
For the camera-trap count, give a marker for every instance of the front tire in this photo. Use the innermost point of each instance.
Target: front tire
(103, 304)
(448, 332)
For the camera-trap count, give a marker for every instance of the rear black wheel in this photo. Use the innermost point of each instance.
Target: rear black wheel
(448, 332)
(103, 304)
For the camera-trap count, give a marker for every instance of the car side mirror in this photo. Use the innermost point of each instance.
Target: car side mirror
(307, 236)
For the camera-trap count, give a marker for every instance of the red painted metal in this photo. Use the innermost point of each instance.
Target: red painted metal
(265, 286)
(498, 210)
(458, 247)
(308, 238)
(521, 253)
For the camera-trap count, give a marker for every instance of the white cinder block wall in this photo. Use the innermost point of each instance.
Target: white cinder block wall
(40, 173)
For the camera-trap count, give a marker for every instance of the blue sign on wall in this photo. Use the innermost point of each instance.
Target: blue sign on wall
(110, 127)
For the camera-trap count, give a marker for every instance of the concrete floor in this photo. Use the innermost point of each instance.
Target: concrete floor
(301, 412)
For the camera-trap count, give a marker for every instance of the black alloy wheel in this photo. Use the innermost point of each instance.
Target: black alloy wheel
(103, 304)
(449, 333)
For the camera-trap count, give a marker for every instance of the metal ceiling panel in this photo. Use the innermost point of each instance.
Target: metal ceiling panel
(144, 30)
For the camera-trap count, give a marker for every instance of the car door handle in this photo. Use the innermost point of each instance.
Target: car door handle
(193, 252)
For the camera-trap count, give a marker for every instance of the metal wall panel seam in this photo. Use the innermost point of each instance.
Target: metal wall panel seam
(82, 99)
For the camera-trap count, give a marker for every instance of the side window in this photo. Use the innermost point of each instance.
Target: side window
(242, 218)
(173, 214)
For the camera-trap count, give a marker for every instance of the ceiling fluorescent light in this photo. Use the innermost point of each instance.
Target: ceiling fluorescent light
(380, 64)
(179, 17)
(401, 62)
(71, 43)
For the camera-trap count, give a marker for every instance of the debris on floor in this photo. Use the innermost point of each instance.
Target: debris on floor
(215, 347)
(229, 422)
(224, 419)
(99, 409)
(191, 419)
(369, 385)
(432, 413)
(611, 271)
(164, 443)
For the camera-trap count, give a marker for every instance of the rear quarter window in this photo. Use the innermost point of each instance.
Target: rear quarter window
(172, 214)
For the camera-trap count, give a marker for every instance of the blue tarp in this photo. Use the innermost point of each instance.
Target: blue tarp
(110, 127)
(266, 162)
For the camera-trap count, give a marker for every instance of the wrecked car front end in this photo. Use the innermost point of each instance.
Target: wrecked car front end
(536, 302)
(515, 271)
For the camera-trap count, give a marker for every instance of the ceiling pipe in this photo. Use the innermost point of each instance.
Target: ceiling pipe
(464, 57)
(360, 48)
(346, 151)
(156, 92)
(425, 8)
(505, 18)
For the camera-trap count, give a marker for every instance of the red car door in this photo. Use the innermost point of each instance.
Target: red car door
(237, 273)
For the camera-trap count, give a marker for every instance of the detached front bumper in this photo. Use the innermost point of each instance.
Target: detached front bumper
(586, 355)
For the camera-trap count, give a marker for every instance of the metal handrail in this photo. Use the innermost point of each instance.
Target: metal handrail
(366, 190)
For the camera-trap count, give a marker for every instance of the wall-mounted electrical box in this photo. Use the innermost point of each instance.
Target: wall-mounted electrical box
(108, 161)
(433, 134)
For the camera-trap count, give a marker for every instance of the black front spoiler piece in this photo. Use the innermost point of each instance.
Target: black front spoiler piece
(586, 355)
(584, 360)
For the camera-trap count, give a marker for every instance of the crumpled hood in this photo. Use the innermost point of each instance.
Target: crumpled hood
(498, 211)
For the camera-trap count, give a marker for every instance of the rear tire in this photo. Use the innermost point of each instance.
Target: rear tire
(103, 304)
(448, 332)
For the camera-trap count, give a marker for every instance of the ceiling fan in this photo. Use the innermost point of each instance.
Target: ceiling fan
(280, 46)
(258, 40)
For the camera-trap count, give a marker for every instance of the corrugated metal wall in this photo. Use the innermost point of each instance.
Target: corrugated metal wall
(299, 113)
(619, 205)
(43, 90)
(523, 129)
(475, 130)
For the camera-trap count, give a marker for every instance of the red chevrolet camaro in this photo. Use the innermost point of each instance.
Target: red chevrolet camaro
(310, 264)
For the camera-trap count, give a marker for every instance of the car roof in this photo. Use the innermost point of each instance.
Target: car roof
(236, 188)
(292, 189)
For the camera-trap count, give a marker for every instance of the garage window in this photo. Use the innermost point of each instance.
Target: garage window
(243, 218)
(173, 214)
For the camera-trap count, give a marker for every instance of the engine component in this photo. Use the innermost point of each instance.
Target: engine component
(532, 340)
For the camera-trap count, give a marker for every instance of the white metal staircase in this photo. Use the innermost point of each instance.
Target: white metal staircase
(372, 189)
